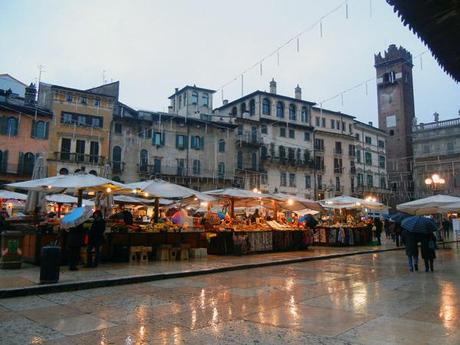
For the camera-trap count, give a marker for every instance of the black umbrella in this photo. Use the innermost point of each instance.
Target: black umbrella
(419, 224)
(399, 217)
(312, 222)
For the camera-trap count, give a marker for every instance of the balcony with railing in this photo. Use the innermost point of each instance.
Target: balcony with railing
(151, 170)
(249, 138)
(437, 125)
(338, 170)
(78, 158)
(338, 151)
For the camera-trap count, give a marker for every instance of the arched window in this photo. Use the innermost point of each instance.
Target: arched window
(239, 160)
(280, 109)
(143, 160)
(252, 107)
(304, 115)
(12, 126)
(234, 111)
(28, 163)
(292, 112)
(40, 130)
(243, 108)
(64, 171)
(266, 106)
(116, 159)
(93, 172)
(221, 145)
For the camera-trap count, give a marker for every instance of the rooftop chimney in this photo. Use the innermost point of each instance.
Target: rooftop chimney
(30, 94)
(176, 90)
(436, 117)
(370, 123)
(273, 86)
(298, 92)
(225, 101)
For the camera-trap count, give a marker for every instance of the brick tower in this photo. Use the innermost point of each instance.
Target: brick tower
(395, 95)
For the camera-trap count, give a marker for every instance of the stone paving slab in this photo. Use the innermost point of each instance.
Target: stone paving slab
(25, 281)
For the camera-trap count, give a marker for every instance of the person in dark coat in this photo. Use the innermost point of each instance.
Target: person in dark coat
(397, 233)
(74, 243)
(445, 228)
(127, 217)
(411, 241)
(378, 230)
(428, 251)
(95, 239)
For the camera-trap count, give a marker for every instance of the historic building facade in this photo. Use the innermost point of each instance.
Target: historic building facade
(274, 141)
(79, 132)
(193, 149)
(370, 162)
(437, 151)
(24, 130)
(396, 117)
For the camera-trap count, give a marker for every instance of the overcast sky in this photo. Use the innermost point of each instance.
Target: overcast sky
(154, 46)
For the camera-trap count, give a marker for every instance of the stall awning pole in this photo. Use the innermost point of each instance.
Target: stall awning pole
(80, 198)
(59, 205)
(232, 208)
(156, 211)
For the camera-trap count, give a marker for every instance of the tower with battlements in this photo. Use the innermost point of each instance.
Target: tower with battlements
(396, 114)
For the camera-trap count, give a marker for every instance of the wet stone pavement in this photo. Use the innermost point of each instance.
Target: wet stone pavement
(363, 299)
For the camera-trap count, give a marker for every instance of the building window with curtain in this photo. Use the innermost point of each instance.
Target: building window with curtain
(280, 110)
(143, 160)
(266, 106)
(382, 162)
(205, 99)
(94, 152)
(80, 150)
(360, 180)
(304, 115)
(307, 181)
(283, 179)
(370, 181)
(12, 126)
(194, 97)
(292, 180)
(368, 158)
(292, 112)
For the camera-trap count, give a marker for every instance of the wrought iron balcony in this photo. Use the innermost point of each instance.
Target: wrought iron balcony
(79, 158)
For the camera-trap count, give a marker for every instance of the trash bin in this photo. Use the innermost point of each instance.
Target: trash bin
(11, 249)
(50, 260)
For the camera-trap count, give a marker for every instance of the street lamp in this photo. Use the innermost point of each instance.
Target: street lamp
(435, 182)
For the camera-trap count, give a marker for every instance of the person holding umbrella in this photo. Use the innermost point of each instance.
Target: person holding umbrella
(416, 229)
(95, 239)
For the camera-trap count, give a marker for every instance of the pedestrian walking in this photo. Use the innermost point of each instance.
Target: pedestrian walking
(411, 241)
(95, 239)
(378, 230)
(386, 228)
(428, 251)
(74, 244)
(445, 228)
(397, 233)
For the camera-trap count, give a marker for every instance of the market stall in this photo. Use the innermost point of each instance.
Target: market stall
(346, 224)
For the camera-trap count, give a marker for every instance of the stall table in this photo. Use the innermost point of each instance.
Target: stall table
(342, 236)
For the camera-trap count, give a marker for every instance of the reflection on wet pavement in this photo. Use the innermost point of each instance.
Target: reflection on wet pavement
(365, 299)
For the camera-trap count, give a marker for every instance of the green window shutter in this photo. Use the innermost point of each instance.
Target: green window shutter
(3, 125)
(163, 134)
(186, 141)
(47, 129)
(21, 163)
(34, 127)
(4, 163)
(177, 141)
(193, 143)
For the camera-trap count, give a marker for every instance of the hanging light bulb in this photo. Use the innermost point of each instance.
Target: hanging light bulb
(108, 190)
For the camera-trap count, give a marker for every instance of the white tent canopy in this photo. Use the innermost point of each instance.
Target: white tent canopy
(162, 189)
(345, 201)
(70, 183)
(6, 194)
(236, 193)
(430, 205)
(134, 200)
(296, 203)
(66, 199)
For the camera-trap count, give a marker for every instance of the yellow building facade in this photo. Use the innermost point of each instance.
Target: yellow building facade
(80, 130)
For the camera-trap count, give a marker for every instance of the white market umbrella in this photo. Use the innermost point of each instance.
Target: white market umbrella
(70, 183)
(66, 199)
(36, 199)
(430, 205)
(7, 195)
(296, 203)
(453, 207)
(349, 202)
(126, 199)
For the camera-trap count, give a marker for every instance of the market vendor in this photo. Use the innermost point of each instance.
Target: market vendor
(255, 216)
(127, 216)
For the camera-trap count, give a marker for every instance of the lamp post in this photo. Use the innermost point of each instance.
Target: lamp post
(435, 183)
